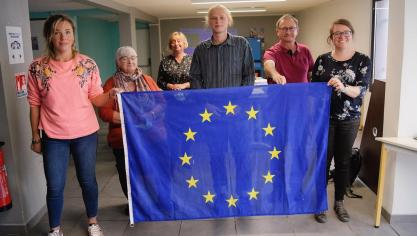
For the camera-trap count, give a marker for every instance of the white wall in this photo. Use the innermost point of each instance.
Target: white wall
(25, 169)
(315, 23)
(400, 113)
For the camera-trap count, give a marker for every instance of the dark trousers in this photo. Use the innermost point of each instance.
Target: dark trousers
(342, 135)
(119, 154)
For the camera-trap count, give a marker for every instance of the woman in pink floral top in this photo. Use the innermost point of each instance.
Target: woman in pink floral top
(63, 87)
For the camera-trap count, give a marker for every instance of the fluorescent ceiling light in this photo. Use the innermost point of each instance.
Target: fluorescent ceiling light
(231, 1)
(237, 10)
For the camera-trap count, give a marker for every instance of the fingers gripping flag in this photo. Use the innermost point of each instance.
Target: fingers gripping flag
(226, 152)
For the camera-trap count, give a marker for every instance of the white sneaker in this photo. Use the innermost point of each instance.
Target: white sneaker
(95, 230)
(56, 233)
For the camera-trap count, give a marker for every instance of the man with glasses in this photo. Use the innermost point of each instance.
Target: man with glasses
(288, 61)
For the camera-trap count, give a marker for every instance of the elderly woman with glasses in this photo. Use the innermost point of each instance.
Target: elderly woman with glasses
(348, 72)
(174, 69)
(128, 78)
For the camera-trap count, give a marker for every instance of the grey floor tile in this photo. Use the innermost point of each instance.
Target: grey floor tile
(271, 225)
(305, 224)
(112, 209)
(219, 227)
(112, 188)
(110, 228)
(405, 229)
(164, 228)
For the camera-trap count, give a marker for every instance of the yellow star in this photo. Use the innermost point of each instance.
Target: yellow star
(209, 197)
(269, 130)
(268, 177)
(185, 159)
(190, 134)
(206, 116)
(192, 182)
(274, 153)
(252, 113)
(232, 201)
(230, 108)
(253, 194)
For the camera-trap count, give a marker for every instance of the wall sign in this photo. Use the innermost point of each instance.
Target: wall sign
(15, 44)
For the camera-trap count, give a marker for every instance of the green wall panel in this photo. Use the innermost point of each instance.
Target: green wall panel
(99, 39)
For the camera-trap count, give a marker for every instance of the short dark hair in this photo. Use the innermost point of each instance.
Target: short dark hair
(49, 30)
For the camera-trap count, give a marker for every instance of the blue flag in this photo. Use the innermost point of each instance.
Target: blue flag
(228, 152)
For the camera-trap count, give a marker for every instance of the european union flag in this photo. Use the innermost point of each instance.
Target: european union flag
(226, 152)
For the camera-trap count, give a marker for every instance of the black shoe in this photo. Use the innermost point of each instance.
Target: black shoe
(321, 217)
(341, 212)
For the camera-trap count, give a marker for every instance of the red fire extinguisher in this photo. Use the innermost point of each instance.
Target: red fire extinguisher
(5, 199)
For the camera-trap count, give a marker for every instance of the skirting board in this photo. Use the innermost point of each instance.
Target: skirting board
(398, 218)
(22, 229)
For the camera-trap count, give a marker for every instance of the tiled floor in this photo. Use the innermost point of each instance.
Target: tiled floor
(115, 223)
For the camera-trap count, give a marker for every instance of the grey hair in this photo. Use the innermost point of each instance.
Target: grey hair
(286, 16)
(123, 52)
(225, 11)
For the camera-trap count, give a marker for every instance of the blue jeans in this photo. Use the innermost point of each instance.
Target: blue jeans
(56, 153)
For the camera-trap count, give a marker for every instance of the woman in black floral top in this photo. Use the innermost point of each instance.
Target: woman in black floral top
(174, 70)
(349, 73)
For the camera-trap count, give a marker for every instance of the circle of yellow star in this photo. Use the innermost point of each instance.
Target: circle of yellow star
(274, 153)
(253, 194)
(230, 108)
(268, 177)
(190, 134)
(269, 130)
(209, 197)
(192, 182)
(206, 116)
(232, 201)
(252, 113)
(185, 159)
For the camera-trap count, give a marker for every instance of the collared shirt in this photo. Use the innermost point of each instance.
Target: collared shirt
(357, 71)
(173, 72)
(294, 66)
(229, 64)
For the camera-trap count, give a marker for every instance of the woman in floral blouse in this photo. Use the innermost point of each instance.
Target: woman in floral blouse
(348, 72)
(62, 89)
(174, 70)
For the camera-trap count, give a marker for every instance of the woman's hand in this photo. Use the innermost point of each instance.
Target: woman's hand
(337, 84)
(114, 91)
(36, 146)
(178, 86)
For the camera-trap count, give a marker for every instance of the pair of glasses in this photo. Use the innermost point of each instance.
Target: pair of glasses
(125, 59)
(290, 29)
(346, 33)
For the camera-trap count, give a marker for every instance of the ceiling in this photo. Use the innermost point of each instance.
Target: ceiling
(168, 9)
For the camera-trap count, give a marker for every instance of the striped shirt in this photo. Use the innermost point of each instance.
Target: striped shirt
(229, 64)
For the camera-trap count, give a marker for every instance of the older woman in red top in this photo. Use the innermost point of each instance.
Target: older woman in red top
(130, 78)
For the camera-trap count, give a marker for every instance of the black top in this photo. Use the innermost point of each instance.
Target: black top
(172, 72)
(229, 64)
(356, 71)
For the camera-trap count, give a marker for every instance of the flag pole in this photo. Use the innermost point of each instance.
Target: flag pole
(126, 152)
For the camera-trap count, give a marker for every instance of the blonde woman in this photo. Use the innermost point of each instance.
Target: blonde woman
(62, 89)
(174, 69)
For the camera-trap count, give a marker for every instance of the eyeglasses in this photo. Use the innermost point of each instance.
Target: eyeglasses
(125, 59)
(346, 33)
(290, 29)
